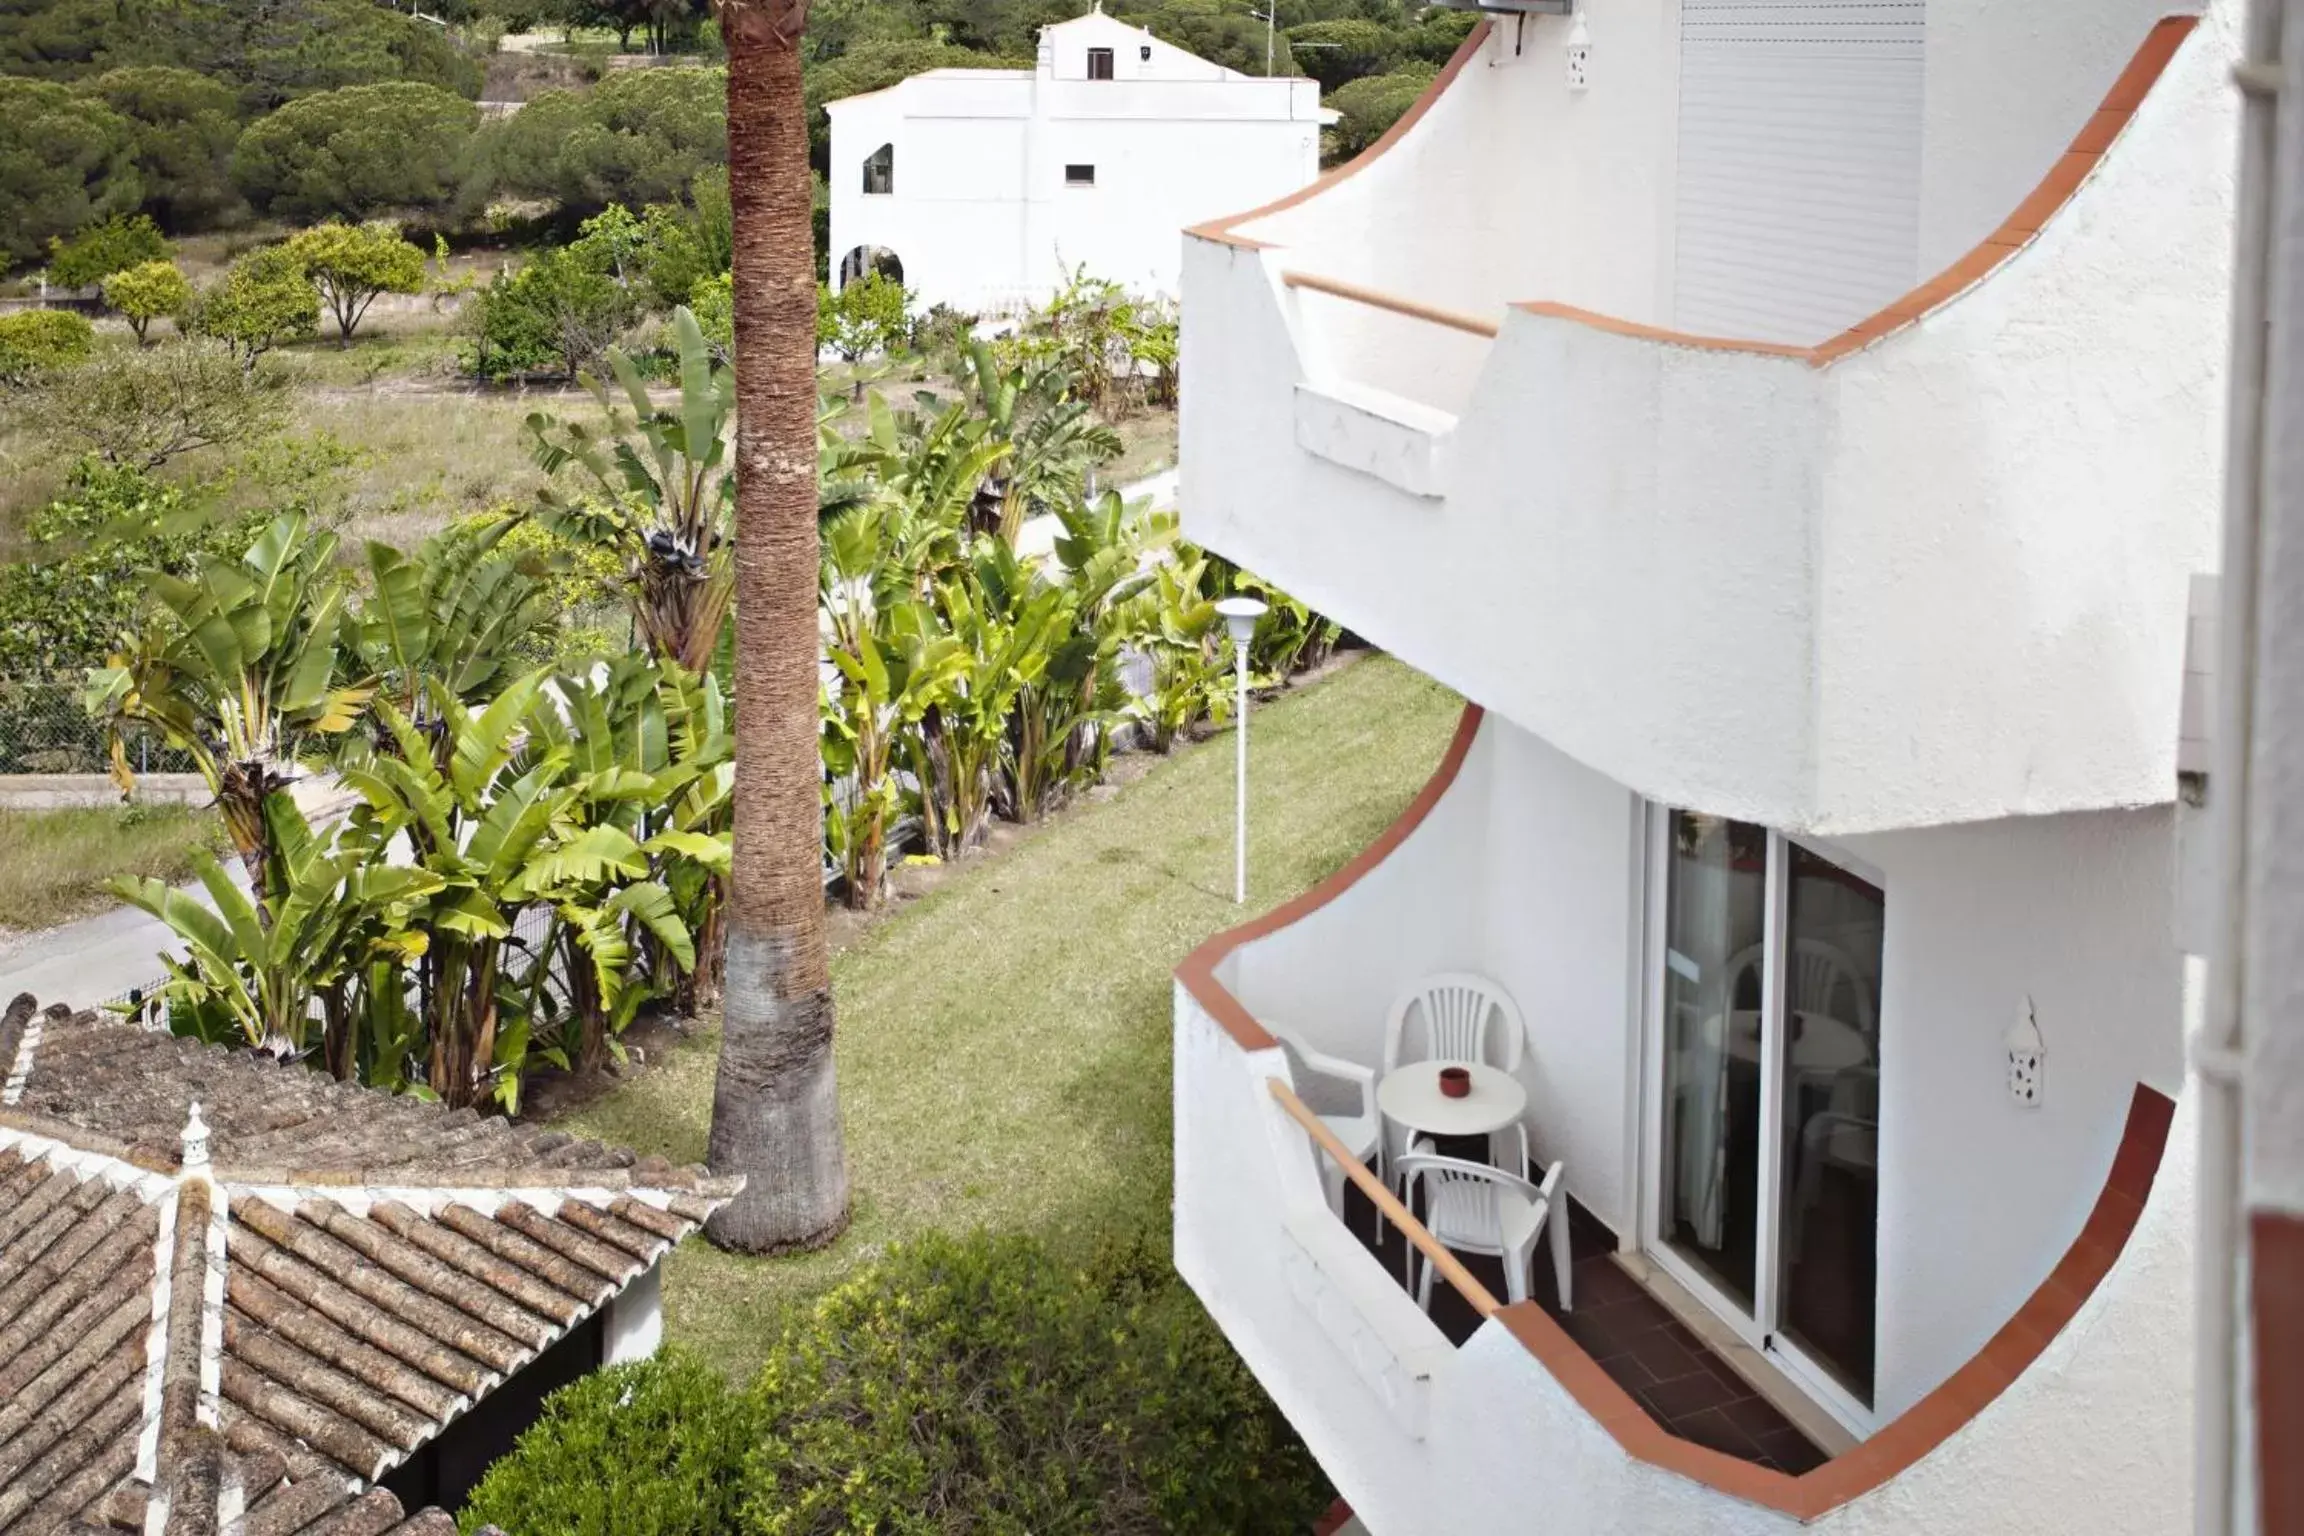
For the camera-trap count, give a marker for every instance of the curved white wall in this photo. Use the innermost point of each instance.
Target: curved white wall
(1942, 579)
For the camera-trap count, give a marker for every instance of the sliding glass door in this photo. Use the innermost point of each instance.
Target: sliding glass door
(1765, 1092)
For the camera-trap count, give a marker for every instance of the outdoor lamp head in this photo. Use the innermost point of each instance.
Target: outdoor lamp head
(1240, 616)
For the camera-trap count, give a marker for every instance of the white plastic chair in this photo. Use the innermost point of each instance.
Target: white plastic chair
(1473, 1208)
(1354, 1120)
(1462, 1016)
(1820, 973)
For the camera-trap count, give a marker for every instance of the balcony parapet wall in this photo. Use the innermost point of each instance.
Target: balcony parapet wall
(1931, 570)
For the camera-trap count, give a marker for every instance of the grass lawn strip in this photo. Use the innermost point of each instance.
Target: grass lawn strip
(1004, 1044)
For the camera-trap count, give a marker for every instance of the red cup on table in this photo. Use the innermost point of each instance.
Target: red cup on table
(1456, 1082)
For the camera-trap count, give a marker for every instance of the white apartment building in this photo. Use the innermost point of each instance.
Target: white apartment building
(1798, 430)
(984, 188)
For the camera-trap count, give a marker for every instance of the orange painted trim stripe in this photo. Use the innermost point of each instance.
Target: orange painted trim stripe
(2054, 190)
(1198, 971)
(1928, 1423)
(1221, 230)
(1376, 298)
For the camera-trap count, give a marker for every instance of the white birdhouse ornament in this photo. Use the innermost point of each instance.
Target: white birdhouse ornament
(2024, 1057)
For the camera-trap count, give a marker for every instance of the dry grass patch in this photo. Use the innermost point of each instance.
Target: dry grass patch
(1004, 1041)
(53, 863)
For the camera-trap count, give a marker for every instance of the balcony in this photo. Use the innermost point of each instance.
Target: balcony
(2073, 1394)
(1926, 571)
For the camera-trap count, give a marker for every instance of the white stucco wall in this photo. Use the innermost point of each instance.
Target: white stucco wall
(636, 1319)
(1940, 580)
(981, 215)
(1980, 1195)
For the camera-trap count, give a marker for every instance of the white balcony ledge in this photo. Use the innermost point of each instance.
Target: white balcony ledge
(1932, 570)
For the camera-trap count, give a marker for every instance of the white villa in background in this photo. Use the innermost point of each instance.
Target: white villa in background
(1799, 435)
(984, 188)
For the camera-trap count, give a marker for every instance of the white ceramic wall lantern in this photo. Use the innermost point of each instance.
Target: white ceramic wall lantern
(1578, 46)
(2025, 1053)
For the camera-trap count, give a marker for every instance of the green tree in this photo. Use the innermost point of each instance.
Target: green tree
(147, 292)
(871, 314)
(277, 51)
(65, 163)
(263, 300)
(1371, 105)
(1340, 51)
(356, 152)
(95, 253)
(641, 136)
(352, 263)
(184, 126)
(563, 310)
(137, 408)
(35, 341)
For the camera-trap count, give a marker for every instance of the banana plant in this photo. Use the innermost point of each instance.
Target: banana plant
(893, 668)
(238, 668)
(1008, 629)
(1185, 640)
(256, 973)
(459, 611)
(661, 488)
(1053, 438)
(650, 754)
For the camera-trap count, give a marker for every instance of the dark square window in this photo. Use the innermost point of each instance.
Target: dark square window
(1079, 175)
(1099, 63)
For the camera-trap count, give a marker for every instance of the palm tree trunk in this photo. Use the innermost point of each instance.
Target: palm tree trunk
(775, 1106)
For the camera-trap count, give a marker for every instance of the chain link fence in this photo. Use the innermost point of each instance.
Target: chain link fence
(45, 729)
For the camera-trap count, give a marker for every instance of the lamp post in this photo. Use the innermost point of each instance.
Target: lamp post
(1240, 616)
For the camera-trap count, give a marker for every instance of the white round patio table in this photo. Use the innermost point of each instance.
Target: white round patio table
(1410, 1094)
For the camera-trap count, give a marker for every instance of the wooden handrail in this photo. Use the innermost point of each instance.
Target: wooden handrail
(1376, 299)
(1435, 1252)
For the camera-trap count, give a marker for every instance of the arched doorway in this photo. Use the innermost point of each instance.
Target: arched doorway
(870, 258)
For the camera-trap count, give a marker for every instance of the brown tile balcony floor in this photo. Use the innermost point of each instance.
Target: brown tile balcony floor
(1689, 1390)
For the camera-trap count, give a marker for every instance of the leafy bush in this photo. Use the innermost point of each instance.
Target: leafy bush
(97, 546)
(976, 1384)
(1345, 49)
(120, 242)
(557, 314)
(265, 299)
(356, 152)
(654, 1448)
(137, 407)
(32, 341)
(147, 292)
(65, 162)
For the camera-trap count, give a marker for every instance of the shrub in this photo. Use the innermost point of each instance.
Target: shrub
(655, 1448)
(137, 408)
(100, 250)
(560, 313)
(97, 546)
(33, 341)
(1344, 49)
(265, 299)
(65, 162)
(976, 1384)
(147, 292)
(356, 152)
(350, 264)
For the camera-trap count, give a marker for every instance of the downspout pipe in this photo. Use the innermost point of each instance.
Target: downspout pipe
(2219, 1047)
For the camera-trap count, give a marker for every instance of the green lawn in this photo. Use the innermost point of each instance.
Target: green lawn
(52, 863)
(1004, 1042)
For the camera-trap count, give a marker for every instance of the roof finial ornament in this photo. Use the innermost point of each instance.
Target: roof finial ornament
(195, 1140)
